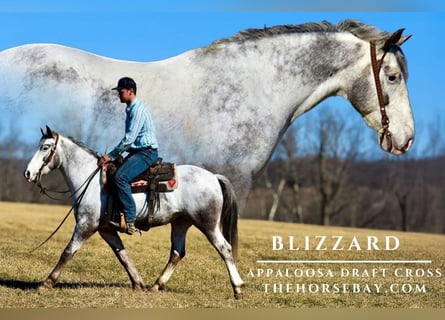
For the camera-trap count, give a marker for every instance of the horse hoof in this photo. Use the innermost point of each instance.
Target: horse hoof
(45, 286)
(237, 292)
(238, 296)
(156, 288)
(138, 286)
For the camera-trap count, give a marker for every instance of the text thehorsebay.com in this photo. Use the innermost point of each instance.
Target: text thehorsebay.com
(336, 276)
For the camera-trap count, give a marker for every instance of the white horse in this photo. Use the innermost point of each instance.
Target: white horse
(202, 199)
(224, 106)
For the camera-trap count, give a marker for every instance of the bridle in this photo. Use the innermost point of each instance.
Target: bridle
(48, 159)
(376, 67)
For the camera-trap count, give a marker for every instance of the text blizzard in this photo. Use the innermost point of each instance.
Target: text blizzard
(334, 243)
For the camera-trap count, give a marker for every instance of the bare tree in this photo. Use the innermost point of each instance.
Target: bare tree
(336, 148)
(411, 181)
(401, 189)
(276, 193)
(287, 154)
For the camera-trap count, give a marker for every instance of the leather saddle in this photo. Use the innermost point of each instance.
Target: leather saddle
(160, 177)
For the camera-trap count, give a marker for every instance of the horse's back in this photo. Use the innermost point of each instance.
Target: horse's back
(196, 177)
(64, 64)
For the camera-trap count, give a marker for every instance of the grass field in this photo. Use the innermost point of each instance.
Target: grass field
(94, 278)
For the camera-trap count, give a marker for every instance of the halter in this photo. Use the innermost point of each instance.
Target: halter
(376, 67)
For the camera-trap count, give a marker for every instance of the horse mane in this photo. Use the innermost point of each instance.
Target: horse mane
(357, 28)
(49, 134)
(84, 146)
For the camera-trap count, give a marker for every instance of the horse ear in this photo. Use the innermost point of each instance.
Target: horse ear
(403, 39)
(49, 133)
(394, 39)
(43, 133)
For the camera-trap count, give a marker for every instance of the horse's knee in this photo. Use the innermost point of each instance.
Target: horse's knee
(175, 256)
(67, 255)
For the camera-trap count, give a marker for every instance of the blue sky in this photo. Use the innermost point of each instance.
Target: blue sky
(149, 31)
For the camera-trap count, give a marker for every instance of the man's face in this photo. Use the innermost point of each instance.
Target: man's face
(125, 95)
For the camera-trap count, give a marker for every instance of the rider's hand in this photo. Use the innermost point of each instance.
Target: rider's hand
(104, 159)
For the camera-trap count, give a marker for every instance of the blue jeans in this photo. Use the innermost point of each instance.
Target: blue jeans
(133, 166)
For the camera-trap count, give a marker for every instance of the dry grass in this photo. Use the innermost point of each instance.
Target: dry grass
(94, 277)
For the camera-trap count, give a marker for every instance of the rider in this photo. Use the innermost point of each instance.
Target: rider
(141, 144)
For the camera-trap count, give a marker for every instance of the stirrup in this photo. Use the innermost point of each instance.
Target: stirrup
(121, 226)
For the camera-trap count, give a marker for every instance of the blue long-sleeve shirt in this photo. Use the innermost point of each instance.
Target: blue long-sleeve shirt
(139, 130)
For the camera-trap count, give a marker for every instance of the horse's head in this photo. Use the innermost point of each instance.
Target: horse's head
(45, 159)
(379, 93)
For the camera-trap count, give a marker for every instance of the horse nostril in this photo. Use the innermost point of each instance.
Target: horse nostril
(27, 174)
(408, 145)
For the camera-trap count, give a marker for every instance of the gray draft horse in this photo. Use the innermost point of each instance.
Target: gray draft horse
(252, 85)
(202, 199)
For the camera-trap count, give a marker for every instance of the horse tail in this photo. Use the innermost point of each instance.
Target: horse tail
(229, 215)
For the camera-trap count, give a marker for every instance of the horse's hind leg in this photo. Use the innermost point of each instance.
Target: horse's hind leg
(115, 242)
(177, 252)
(225, 251)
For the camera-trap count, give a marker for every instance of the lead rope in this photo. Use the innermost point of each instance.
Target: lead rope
(76, 204)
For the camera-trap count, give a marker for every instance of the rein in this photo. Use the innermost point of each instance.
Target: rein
(376, 67)
(43, 190)
(75, 205)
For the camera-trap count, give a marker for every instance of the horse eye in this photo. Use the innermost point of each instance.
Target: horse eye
(393, 78)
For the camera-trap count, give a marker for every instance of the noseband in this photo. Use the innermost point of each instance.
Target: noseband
(376, 67)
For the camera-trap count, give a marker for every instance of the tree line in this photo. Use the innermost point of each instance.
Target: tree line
(321, 173)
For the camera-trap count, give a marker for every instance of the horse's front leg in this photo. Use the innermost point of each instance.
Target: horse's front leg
(80, 235)
(115, 242)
